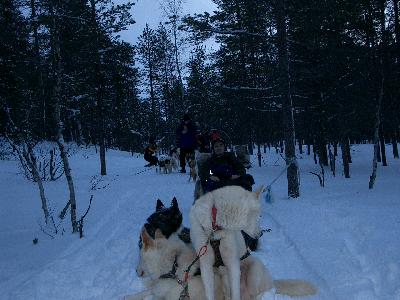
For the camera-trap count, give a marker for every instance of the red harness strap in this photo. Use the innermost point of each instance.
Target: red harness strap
(214, 218)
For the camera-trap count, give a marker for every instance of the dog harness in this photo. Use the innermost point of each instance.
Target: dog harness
(215, 243)
(215, 227)
(184, 295)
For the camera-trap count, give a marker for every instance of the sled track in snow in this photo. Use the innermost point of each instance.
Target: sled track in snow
(324, 290)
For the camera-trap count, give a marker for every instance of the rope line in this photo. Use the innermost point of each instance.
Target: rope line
(145, 170)
(289, 162)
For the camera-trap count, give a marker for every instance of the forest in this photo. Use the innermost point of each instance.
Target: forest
(306, 73)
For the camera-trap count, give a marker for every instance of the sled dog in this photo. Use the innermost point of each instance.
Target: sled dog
(165, 261)
(168, 220)
(174, 160)
(221, 215)
(164, 164)
(229, 209)
(192, 170)
(254, 276)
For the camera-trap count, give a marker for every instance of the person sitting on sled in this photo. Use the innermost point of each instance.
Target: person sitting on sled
(150, 154)
(222, 169)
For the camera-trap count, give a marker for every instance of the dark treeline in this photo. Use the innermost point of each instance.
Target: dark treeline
(343, 68)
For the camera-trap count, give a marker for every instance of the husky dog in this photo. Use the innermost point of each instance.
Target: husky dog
(174, 157)
(193, 171)
(221, 215)
(229, 209)
(165, 262)
(168, 220)
(164, 164)
(254, 276)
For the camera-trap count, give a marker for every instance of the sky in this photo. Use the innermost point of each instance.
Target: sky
(149, 11)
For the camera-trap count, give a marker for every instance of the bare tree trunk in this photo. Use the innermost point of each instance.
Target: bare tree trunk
(284, 82)
(315, 153)
(38, 68)
(394, 146)
(378, 156)
(100, 91)
(153, 102)
(376, 145)
(31, 159)
(55, 41)
(346, 166)
(79, 135)
(382, 144)
(380, 96)
(332, 161)
(335, 144)
(300, 146)
(348, 151)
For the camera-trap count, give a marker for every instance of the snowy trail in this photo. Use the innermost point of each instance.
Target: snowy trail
(343, 238)
(102, 264)
(282, 248)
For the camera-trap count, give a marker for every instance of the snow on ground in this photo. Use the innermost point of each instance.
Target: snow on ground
(344, 237)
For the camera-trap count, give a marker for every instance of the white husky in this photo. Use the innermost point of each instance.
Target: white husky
(161, 256)
(165, 261)
(221, 215)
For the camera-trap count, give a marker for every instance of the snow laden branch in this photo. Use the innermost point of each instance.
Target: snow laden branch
(202, 27)
(247, 88)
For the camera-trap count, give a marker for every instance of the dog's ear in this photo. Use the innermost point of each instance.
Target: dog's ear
(259, 191)
(160, 205)
(148, 242)
(158, 234)
(174, 204)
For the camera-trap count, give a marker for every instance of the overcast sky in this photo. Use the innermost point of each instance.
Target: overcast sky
(149, 11)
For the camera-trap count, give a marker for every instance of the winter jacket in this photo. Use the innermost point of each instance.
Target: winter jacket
(186, 140)
(149, 152)
(222, 166)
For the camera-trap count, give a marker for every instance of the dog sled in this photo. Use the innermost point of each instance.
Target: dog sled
(241, 153)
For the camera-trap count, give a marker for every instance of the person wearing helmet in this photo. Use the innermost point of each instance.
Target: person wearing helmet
(222, 169)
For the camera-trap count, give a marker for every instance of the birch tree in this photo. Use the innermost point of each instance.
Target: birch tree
(56, 99)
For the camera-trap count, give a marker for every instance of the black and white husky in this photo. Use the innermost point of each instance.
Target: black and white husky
(168, 220)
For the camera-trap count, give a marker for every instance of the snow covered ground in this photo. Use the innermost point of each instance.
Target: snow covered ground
(344, 238)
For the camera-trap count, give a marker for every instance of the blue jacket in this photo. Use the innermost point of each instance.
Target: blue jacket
(186, 140)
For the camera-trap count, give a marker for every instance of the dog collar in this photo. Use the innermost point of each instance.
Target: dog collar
(172, 273)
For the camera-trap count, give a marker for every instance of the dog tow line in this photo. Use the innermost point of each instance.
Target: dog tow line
(268, 197)
(185, 292)
(145, 170)
(184, 295)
